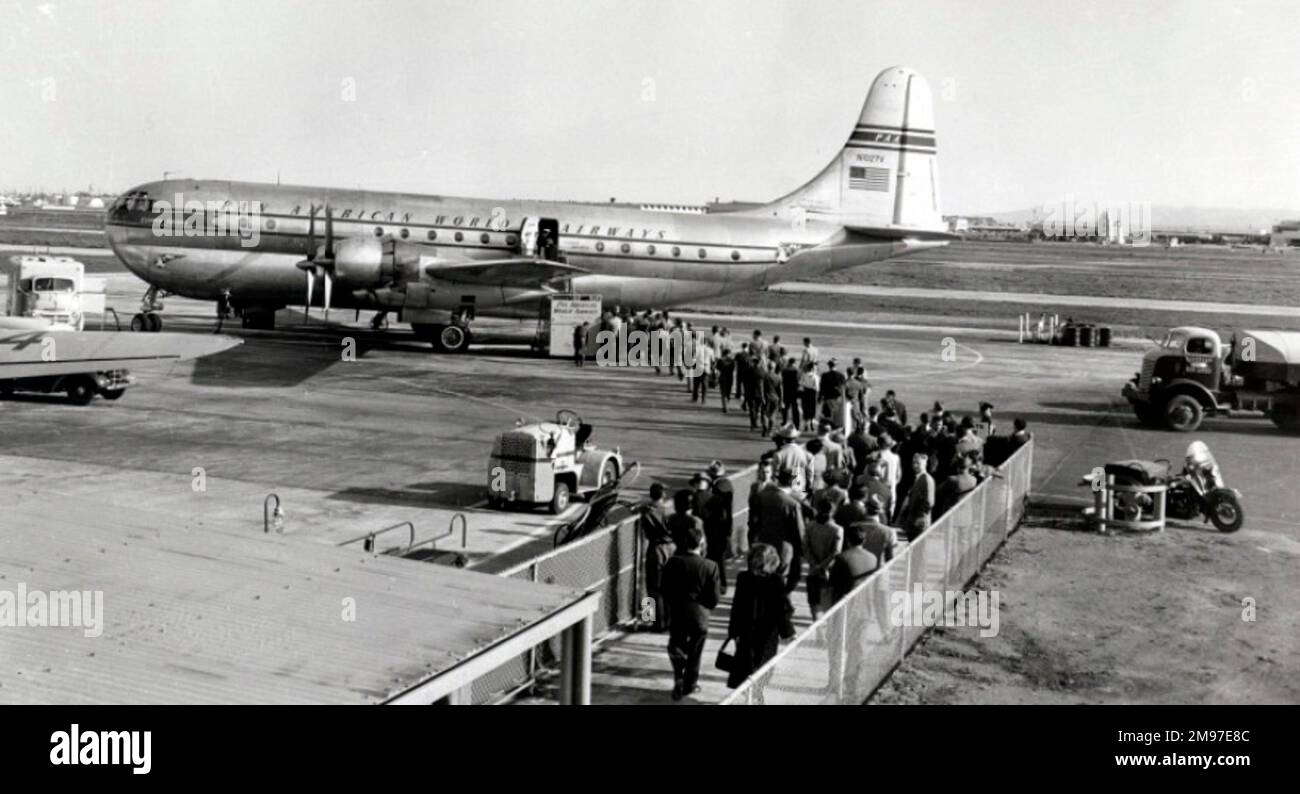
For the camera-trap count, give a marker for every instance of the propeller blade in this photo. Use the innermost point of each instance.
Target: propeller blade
(329, 292)
(329, 234)
(311, 287)
(311, 233)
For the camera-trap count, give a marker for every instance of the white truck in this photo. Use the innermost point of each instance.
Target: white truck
(53, 291)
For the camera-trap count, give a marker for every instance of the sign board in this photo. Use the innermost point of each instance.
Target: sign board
(567, 313)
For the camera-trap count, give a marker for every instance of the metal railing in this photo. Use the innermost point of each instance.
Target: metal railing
(847, 653)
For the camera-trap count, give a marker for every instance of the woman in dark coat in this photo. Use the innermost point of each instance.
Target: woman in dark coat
(760, 613)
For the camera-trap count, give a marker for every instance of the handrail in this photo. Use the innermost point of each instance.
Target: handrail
(369, 538)
(451, 530)
(268, 513)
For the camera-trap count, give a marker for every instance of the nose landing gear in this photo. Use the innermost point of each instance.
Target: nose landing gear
(147, 319)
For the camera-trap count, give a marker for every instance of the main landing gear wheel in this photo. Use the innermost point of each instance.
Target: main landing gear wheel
(148, 322)
(452, 338)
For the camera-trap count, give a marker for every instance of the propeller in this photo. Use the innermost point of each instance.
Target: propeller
(319, 262)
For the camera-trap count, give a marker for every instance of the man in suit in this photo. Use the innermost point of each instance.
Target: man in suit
(771, 395)
(952, 489)
(875, 482)
(877, 537)
(692, 586)
(790, 394)
(659, 549)
(851, 565)
(780, 525)
(914, 515)
(683, 517)
(831, 393)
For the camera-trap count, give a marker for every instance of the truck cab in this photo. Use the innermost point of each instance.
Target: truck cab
(1193, 373)
(47, 288)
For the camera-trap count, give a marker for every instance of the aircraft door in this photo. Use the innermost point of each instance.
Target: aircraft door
(548, 239)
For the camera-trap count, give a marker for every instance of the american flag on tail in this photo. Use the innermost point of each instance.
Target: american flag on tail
(865, 177)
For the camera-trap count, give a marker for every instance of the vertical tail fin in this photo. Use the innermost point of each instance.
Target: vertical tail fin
(885, 179)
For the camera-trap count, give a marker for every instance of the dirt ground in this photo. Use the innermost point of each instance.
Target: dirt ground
(1124, 618)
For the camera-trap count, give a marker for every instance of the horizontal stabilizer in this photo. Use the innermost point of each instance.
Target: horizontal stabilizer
(514, 272)
(902, 233)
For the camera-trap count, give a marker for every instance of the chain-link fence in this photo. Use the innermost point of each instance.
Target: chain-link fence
(851, 649)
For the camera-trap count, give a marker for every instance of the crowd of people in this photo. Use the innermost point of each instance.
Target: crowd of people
(827, 507)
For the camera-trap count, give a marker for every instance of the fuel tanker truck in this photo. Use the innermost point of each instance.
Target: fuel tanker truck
(1193, 374)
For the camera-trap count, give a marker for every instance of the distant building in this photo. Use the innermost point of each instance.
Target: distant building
(1285, 235)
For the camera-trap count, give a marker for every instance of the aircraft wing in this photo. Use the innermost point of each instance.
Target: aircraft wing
(27, 354)
(513, 272)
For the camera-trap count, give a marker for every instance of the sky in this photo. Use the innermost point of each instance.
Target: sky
(1176, 102)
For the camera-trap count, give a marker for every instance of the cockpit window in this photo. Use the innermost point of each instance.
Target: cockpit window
(53, 285)
(131, 205)
(1200, 346)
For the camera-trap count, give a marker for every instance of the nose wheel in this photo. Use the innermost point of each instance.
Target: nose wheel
(147, 322)
(147, 319)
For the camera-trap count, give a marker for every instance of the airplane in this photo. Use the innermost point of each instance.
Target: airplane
(440, 261)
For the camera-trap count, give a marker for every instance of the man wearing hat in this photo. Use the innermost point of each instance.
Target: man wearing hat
(792, 456)
(780, 525)
(831, 392)
(683, 517)
(718, 518)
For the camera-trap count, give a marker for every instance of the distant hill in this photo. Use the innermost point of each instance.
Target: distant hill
(1190, 219)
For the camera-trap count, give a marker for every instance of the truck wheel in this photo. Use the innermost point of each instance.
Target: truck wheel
(1183, 413)
(113, 394)
(560, 500)
(1225, 511)
(81, 391)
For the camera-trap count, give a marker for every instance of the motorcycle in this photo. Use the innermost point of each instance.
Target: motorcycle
(1197, 491)
(1201, 491)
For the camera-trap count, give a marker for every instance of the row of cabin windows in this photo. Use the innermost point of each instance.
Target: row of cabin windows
(484, 238)
(702, 253)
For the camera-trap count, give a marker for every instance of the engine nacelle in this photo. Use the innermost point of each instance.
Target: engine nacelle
(368, 262)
